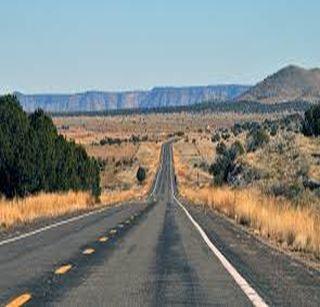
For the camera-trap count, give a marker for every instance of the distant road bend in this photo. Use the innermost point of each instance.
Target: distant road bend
(158, 253)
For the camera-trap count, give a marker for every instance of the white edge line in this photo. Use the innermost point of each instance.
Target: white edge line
(31, 233)
(70, 220)
(253, 296)
(159, 170)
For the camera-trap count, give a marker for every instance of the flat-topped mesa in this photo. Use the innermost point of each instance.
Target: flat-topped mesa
(157, 97)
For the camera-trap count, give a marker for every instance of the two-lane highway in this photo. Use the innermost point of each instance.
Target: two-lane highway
(154, 254)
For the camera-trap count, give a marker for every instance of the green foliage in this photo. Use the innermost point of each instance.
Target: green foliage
(238, 148)
(221, 148)
(226, 135)
(256, 139)
(141, 174)
(216, 138)
(33, 157)
(311, 124)
(273, 130)
(223, 165)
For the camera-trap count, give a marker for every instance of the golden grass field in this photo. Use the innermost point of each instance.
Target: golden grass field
(23, 211)
(86, 129)
(294, 227)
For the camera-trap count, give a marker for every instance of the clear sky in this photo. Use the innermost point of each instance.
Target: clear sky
(74, 45)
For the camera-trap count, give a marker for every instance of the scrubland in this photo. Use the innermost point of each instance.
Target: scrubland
(274, 202)
(119, 164)
(122, 187)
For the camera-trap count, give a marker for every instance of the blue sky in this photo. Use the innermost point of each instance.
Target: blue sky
(70, 46)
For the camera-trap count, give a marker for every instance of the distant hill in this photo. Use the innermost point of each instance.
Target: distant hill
(103, 101)
(291, 83)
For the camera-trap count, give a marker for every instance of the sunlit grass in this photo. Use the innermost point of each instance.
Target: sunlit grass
(50, 205)
(295, 227)
(43, 205)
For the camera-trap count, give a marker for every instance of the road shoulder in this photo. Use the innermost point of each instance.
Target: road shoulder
(276, 276)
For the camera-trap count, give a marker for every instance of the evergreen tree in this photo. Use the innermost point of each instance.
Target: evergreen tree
(33, 157)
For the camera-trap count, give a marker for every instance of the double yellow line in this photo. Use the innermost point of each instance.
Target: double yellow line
(26, 297)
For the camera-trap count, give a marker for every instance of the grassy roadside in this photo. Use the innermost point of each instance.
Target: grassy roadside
(51, 205)
(292, 227)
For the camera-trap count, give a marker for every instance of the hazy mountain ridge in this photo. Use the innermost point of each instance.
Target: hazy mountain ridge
(291, 83)
(156, 97)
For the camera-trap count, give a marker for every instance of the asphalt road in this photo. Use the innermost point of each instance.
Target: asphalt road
(159, 253)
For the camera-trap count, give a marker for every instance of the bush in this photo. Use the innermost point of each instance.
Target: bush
(221, 148)
(256, 139)
(216, 138)
(236, 129)
(274, 130)
(33, 157)
(141, 174)
(290, 191)
(222, 166)
(226, 135)
(238, 148)
(311, 124)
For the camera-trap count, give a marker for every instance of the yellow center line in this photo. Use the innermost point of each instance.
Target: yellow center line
(88, 251)
(63, 269)
(20, 300)
(103, 239)
(113, 231)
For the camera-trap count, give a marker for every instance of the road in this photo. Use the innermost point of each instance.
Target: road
(158, 253)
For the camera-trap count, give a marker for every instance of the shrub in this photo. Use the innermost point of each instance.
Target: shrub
(216, 138)
(256, 139)
(236, 129)
(288, 190)
(311, 124)
(222, 166)
(221, 148)
(226, 135)
(274, 130)
(238, 148)
(141, 174)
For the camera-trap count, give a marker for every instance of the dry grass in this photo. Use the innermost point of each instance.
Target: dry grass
(27, 210)
(310, 148)
(127, 186)
(113, 153)
(85, 129)
(296, 228)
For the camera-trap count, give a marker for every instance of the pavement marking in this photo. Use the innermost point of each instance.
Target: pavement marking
(70, 220)
(113, 231)
(103, 239)
(63, 269)
(253, 296)
(20, 300)
(88, 251)
(158, 173)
